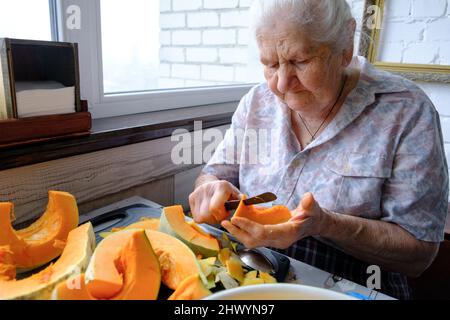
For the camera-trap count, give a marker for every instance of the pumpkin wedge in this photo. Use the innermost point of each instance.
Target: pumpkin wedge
(37, 245)
(192, 288)
(265, 216)
(134, 261)
(177, 261)
(74, 259)
(173, 222)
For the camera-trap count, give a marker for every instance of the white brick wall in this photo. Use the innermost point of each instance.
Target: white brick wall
(416, 31)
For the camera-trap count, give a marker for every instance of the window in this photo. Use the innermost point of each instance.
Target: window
(141, 56)
(26, 19)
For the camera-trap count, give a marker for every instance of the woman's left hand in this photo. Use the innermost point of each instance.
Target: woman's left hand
(308, 220)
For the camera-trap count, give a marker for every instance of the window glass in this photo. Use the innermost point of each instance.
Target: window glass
(168, 44)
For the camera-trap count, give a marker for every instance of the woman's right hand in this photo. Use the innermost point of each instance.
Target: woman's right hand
(207, 202)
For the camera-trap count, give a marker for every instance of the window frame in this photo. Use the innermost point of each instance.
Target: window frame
(89, 41)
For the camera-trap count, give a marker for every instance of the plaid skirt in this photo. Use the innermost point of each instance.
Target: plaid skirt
(320, 255)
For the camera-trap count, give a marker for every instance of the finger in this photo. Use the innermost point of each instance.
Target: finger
(203, 214)
(218, 199)
(241, 235)
(194, 209)
(235, 193)
(251, 227)
(308, 202)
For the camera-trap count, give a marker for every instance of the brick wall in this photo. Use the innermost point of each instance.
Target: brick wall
(205, 42)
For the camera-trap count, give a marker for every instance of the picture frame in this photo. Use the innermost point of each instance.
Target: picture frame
(369, 47)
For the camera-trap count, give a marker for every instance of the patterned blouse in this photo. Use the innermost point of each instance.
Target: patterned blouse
(382, 158)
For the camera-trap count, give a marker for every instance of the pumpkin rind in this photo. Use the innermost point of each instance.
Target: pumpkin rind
(34, 246)
(74, 259)
(173, 222)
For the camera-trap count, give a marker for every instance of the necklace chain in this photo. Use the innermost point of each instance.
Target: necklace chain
(313, 136)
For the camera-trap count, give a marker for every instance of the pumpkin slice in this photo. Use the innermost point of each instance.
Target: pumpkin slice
(234, 269)
(177, 261)
(115, 258)
(35, 246)
(137, 263)
(103, 270)
(265, 216)
(173, 223)
(74, 259)
(192, 288)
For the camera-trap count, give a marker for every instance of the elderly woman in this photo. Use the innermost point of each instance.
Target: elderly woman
(356, 153)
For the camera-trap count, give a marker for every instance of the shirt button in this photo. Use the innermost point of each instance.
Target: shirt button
(296, 163)
(347, 168)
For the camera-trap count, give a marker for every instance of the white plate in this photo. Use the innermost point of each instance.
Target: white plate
(278, 292)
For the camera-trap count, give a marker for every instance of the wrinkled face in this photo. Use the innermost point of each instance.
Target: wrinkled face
(305, 75)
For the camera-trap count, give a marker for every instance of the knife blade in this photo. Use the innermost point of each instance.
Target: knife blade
(262, 198)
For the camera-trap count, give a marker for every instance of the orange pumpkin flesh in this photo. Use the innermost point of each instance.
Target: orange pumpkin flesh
(136, 263)
(177, 261)
(105, 270)
(74, 259)
(35, 246)
(192, 288)
(7, 266)
(265, 216)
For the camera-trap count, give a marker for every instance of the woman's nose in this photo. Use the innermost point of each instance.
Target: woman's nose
(287, 78)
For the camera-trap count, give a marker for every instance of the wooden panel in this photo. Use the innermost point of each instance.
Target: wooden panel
(184, 185)
(89, 176)
(160, 191)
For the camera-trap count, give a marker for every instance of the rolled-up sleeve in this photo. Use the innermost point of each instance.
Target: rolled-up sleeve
(225, 162)
(416, 195)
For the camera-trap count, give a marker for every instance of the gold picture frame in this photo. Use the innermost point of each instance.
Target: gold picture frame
(373, 14)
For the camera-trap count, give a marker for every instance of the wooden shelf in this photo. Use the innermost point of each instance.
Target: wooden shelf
(36, 129)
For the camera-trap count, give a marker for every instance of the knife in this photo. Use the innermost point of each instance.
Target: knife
(262, 198)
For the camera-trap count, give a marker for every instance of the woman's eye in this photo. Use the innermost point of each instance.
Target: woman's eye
(273, 66)
(301, 63)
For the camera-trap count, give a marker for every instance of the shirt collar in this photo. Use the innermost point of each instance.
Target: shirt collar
(372, 81)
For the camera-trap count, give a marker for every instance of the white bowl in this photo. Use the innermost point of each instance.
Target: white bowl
(279, 291)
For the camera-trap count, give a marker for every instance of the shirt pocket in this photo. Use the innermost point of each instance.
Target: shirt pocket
(359, 178)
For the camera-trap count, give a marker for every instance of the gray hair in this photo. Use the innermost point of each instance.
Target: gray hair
(324, 21)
